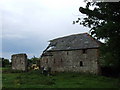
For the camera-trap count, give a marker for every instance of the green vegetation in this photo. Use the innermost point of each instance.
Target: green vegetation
(4, 62)
(103, 21)
(34, 79)
(33, 60)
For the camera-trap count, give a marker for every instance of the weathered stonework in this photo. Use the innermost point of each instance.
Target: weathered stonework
(19, 62)
(74, 53)
(64, 61)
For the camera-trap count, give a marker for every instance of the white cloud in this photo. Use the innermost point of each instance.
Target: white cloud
(11, 36)
(35, 22)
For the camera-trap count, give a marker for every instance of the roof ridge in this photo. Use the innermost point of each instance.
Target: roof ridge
(68, 36)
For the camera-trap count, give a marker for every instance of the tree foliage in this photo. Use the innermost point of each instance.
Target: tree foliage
(103, 19)
(34, 60)
(5, 62)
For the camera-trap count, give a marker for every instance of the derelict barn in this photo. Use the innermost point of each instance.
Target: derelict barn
(75, 53)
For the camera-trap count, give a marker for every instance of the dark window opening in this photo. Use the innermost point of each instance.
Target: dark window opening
(67, 53)
(54, 60)
(46, 60)
(84, 51)
(61, 60)
(81, 63)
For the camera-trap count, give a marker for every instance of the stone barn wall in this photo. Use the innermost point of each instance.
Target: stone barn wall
(19, 62)
(85, 61)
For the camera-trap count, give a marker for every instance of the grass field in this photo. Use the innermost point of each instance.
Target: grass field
(34, 79)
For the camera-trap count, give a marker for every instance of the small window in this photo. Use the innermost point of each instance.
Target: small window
(67, 53)
(54, 60)
(46, 60)
(61, 60)
(81, 63)
(84, 51)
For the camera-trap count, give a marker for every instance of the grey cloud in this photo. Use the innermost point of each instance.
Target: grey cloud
(28, 25)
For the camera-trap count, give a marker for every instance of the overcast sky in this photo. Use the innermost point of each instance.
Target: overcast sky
(28, 25)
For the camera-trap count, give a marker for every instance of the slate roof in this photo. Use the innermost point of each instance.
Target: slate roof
(73, 42)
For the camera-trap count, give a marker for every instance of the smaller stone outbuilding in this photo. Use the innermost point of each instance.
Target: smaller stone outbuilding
(19, 62)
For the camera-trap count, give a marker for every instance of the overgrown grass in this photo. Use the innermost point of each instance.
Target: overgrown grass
(34, 79)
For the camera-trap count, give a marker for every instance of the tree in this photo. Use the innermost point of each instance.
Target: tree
(5, 62)
(104, 23)
(34, 60)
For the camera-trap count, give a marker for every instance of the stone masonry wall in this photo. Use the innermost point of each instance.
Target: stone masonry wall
(75, 61)
(19, 62)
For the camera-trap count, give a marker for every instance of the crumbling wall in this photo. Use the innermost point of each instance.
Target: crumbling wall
(19, 62)
(74, 60)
